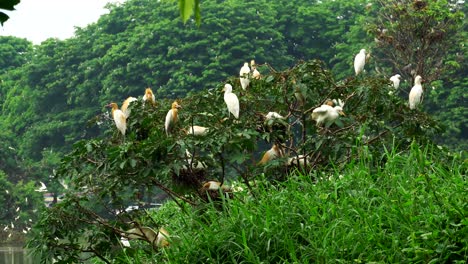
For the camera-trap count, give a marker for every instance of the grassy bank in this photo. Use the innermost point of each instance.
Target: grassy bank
(413, 209)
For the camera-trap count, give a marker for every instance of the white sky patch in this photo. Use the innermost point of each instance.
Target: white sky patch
(38, 20)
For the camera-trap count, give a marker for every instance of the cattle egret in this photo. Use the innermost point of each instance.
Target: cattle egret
(195, 164)
(231, 100)
(272, 115)
(124, 242)
(149, 96)
(326, 114)
(395, 79)
(415, 93)
(299, 160)
(271, 154)
(244, 75)
(360, 61)
(214, 186)
(125, 105)
(43, 188)
(255, 72)
(120, 118)
(197, 131)
(158, 239)
(171, 117)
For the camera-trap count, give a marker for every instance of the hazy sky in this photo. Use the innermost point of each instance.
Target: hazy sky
(38, 20)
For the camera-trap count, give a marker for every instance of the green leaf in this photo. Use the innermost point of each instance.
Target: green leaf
(186, 9)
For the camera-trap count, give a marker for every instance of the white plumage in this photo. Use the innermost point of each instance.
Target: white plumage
(231, 100)
(149, 96)
(255, 73)
(395, 79)
(125, 105)
(271, 154)
(171, 117)
(415, 93)
(120, 119)
(244, 75)
(326, 114)
(272, 115)
(43, 188)
(158, 239)
(197, 131)
(360, 61)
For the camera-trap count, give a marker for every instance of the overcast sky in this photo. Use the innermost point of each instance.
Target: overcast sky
(38, 20)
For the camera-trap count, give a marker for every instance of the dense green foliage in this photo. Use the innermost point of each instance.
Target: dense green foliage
(52, 95)
(110, 173)
(411, 210)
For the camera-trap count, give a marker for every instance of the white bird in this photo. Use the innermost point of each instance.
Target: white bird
(299, 160)
(171, 117)
(272, 115)
(395, 79)
(120, 118)
(17, 209)
(244, 75)
(197, 131)
(125, 105)
(326, 114)
(360, 61)
(149, 96)
(125, 242)
(158, 239)
(214, 186)
(255, 72)
(415, 93)
(43, 188)
(271, 154)
(231, 100)
(195, 164)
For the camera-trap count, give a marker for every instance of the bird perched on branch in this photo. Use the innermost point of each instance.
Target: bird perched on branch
(197, 131)
(415, 93)
(395, 79)
(172, 117)
(271, 154)
(272, 115)
(120, 118)
(360, 61)
(231, 100)
(157, 239)
(43, 188)
(328, 114)
(255, 72)
(149, 96)
(214, 186)
(244, 75)
(125, 105)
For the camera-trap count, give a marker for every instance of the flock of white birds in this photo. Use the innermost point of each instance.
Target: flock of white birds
(326, 114)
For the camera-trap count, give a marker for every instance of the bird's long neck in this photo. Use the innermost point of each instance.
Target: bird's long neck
(174, 114)
(114, 107)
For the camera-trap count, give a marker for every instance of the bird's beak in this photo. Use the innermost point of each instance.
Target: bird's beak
(342, 113)
(108, 105)
(179, 106)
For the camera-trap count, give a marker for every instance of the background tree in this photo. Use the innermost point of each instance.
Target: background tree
(414, 37)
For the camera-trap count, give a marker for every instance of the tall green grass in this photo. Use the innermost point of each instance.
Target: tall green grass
(411, 209)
